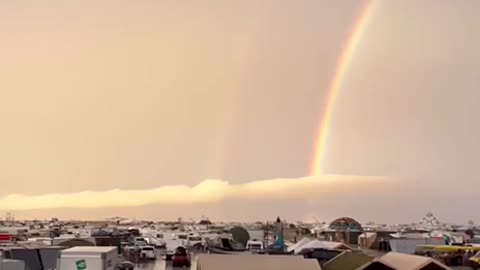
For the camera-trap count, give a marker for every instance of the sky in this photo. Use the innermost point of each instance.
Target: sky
(160, 109)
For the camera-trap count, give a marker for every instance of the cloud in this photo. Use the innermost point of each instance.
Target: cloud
(208, 191)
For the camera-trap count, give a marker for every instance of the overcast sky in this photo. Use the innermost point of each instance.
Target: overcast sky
(138, 95)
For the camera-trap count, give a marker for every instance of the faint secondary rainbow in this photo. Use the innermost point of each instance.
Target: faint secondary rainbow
(336, 84)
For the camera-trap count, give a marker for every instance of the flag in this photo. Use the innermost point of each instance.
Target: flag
(280, 243)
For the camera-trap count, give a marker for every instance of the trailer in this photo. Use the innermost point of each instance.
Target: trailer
(86, 258)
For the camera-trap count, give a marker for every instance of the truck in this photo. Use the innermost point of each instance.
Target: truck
(88, 258)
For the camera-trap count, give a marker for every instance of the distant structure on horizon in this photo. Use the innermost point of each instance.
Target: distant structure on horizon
(430, 221)
(9, 217)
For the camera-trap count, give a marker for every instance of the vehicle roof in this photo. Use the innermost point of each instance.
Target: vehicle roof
(88, 250)
(240, 262)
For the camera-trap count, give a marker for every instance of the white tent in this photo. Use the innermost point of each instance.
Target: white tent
(297, 245)
(335, 245)
(317, 244)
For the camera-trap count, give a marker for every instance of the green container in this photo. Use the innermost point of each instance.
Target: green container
(81, 264)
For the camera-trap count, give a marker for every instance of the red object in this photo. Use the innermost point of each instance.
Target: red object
(4, 237)
(181, 257)
(179, 261)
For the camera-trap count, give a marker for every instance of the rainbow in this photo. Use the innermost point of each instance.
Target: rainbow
(336, 85)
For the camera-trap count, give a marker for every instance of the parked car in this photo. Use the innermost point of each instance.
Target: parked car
(148, 252)
(140, 241)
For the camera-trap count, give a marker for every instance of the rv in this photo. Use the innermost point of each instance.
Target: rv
(101, 258)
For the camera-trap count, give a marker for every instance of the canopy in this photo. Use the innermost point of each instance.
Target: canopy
(297, 245)
(317, 244)
(399, 261)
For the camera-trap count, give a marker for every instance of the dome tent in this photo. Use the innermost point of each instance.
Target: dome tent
(240, 235)
(345, 224)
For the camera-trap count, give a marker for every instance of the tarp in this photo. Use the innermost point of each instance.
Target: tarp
(367, 235)
(317, 244)
(367, 239)
(334, 245)
(295, 246)
(408, 246)
(347, 260)
(409, 262)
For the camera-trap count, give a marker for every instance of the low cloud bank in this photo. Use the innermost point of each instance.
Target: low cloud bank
(208, 191)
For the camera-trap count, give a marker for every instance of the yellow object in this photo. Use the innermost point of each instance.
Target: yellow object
(445, 248)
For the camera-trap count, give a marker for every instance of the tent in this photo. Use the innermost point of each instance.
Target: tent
(399, 261)
(347, 260)
(335, 245)
(317, 244)
(412, 262)
(367, 239)
(297, 245)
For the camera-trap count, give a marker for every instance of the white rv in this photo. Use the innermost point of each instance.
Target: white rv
(80, 258)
